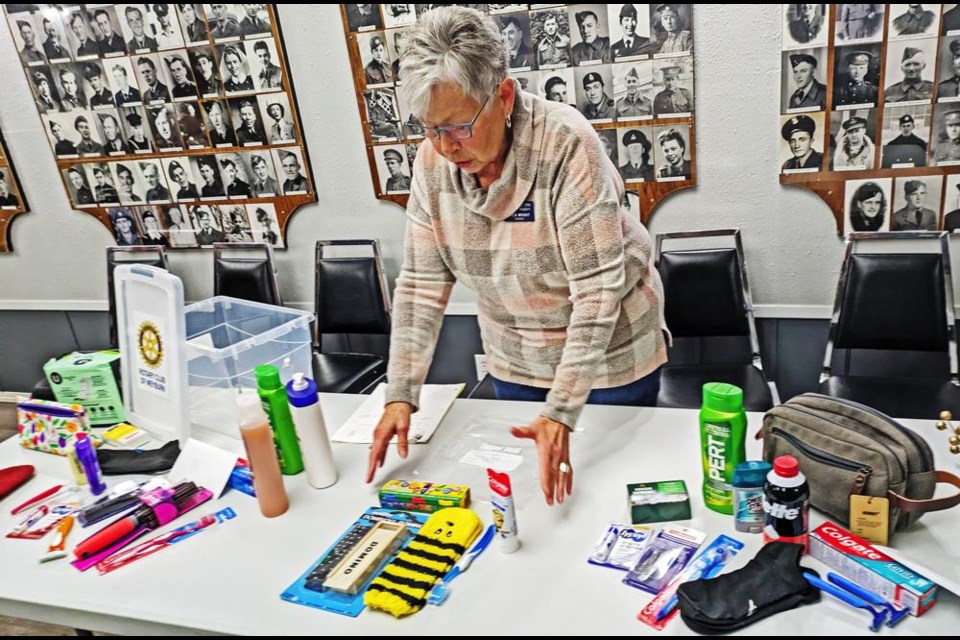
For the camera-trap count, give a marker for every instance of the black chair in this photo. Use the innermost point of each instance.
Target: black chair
(709, 311)
(893, 318)
(351, 298)
(152, 255)
(245, 270)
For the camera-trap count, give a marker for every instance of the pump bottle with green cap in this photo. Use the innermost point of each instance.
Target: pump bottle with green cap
(723, 427)
(273, 396)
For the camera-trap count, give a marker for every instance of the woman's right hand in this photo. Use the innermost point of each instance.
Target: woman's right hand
(395, 420)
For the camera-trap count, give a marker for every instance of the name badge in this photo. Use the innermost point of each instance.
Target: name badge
(523, 214)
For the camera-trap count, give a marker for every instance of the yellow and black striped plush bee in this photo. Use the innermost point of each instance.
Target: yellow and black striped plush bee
(402, 587)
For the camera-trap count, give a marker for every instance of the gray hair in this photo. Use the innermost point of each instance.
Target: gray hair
(456, 46)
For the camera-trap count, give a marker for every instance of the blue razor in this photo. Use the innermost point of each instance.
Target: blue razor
(879, 615)
(894, 614)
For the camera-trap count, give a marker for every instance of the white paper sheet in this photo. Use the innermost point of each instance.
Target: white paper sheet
(435, 401)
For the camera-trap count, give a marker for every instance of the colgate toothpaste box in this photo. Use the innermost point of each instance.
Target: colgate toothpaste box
(858, 560)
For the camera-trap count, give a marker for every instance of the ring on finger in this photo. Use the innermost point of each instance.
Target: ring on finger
(564, 467)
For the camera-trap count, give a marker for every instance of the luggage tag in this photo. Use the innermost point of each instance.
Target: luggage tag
(870, 517)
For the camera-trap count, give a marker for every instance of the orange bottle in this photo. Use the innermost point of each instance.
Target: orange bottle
(262, 455)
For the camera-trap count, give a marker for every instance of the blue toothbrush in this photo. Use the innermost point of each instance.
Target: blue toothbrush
(440, 592)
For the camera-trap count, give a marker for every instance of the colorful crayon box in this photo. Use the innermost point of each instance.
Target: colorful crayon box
(423, 496)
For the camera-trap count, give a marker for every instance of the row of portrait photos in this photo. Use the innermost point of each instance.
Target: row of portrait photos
(546, 37)
(233, 176)
(181, 226)
(625, 92)
(907, 203)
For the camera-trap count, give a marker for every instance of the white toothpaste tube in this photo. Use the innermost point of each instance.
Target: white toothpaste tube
(504, 516)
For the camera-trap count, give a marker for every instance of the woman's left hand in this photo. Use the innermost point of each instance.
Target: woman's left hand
(553, 448)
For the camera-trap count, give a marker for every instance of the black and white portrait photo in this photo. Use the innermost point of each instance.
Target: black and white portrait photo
(163, 26)
(913, 21)
(383, 117)
(44, 89)
(123, 82)
(802, 86)
(859, 23)
(527, 80)
(9, 198)
(801, 147)
(163, 126)
(114, 137)
(909, 73)
(53, 35)
(264, 66)
(377, 66)
(856, 76)
(867, 205)
(293, 176)
(363, 17)
(152, 76)
(27, 35)
(277, 118)
(558, 85)
(804, 26)
(672, 152)
(515, 31)
(183, 184)
(410, 124)
(129, 182)
(951, 202)
(854, 134)
(392, 169)
(673, 86)
(106, 25)
(247, 122)
(125, 230)
(948, 85)
(631, 200)
(81, 195)
(83, 44)
(950, 21)
(608, 137)
(206, 224)
(182, 85)
(905, 133)
(95, 85)
(206, 73)
(264, 224)
(233, 174)
(255, 20)
(192, 23)
(88, 134)
(916, 203)
(151, 226)
(133, 25)
(69, 85)
(945, 139)
(235, 69)
(550, 37)
(263, 177)
(193, 132)
(236, 226)
(139, 139)
(63, 137)
(395, 43)
(177, 222)
(211, 186)
(671, 27)
(154, 182)
(223, 21)
(595, 93)
(632, 90)
(103, 183)
(589, 34)
(219, 125)
(636, 154)
(398, 15)
(629, 31)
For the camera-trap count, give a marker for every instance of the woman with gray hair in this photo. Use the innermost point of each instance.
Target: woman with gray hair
(514, 197)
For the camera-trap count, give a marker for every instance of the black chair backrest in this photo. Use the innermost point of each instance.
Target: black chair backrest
(350, 296)
(247, 277)
(151, 255)
(893, 301)
(703, 293)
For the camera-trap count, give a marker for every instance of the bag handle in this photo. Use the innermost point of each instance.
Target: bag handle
(933, 504)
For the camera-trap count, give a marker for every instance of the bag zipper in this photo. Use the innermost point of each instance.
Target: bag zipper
(925, 456)
(56, 412)
(893, 454)
(863, 471)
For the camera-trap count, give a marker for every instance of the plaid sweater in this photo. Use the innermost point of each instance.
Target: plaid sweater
(567, 298)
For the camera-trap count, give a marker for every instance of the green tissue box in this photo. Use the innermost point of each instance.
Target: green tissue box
(658, 501)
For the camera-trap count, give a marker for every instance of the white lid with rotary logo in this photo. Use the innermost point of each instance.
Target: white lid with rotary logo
(151, 327)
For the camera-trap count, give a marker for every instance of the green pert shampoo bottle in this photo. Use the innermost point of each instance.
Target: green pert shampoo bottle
(273, 396)
(723, 428)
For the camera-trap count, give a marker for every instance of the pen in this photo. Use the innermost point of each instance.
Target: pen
(37, 498)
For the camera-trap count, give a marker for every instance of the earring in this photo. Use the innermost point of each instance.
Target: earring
(509, 121)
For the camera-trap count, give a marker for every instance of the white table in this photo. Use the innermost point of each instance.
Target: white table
(228, 579)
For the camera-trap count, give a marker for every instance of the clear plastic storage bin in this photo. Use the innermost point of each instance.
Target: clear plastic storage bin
(226, 339)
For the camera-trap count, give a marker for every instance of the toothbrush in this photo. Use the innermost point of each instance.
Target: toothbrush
(440, 592)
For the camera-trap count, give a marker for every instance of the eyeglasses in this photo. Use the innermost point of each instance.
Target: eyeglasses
(454, 131)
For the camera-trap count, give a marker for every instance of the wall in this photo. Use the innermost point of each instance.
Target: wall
(791, 246)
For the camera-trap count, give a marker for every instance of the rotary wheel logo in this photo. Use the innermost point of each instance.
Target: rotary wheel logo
(150, 344)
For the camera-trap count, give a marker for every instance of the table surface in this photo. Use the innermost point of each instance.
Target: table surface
(229, 579)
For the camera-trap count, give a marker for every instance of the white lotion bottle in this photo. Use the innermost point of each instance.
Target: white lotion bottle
(311, 431)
